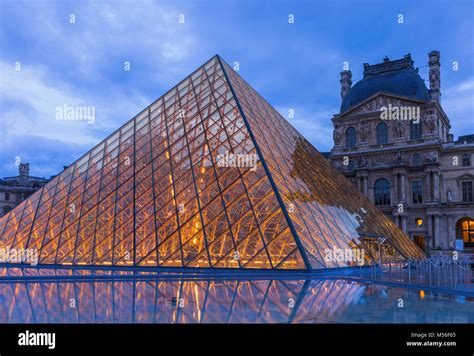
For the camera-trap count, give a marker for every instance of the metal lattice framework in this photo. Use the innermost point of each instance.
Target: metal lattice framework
(158, 191)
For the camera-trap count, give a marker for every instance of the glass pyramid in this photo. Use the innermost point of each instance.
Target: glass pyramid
(208, 176)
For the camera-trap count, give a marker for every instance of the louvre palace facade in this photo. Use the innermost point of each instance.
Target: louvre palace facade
(392, 140)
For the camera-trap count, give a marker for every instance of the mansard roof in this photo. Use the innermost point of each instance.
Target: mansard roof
(396, 77)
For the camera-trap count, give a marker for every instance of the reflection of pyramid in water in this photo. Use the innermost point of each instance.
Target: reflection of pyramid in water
(155, 192)
(45, 300)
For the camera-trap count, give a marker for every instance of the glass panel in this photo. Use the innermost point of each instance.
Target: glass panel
(327, 209)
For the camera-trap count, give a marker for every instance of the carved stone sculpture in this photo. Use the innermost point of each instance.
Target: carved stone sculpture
(449, 195)
(432, 157)
(364, 131)
(362, 163)
(398, 128)
(431, 123)
(398, 158)
(337, 135)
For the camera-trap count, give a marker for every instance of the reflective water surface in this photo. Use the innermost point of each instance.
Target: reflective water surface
(54, 297)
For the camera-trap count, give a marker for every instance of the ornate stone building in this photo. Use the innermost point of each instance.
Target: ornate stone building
(13, 190)
(392, 140)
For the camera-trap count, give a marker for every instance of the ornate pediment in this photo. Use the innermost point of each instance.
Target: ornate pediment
(381, 160)
(378, 102)
(464, 177)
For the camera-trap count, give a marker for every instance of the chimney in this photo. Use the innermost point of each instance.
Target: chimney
(346, 82)
(435, 76)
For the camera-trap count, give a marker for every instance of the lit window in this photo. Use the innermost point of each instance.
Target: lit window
(465, 230)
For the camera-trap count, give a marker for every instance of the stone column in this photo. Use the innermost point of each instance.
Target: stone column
(395, 188)
(449, 239)
(429, 225)
(403, 188)
(397, 218)
(449, 231)
(365, 186)
(436, 235)
(436, 186)
(427, 187)
(404, 224)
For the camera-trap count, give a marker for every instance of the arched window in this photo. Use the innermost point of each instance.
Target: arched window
(382, 133)
(416, 159)
(415, 130)
(351, 140)
(382, 192)
(465, 230)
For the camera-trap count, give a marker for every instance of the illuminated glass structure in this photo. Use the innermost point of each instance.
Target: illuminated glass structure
(208, 176)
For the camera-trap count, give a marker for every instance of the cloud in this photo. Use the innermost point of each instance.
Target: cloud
(29, 105)
(467, 85)
(81, 64)
(148, 35)
(315, 126)
(46, 156)
(104, 34)
(29, 102)
(459, 106)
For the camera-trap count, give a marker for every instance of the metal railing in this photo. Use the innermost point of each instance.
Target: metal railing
(441, 270)
(453, 270)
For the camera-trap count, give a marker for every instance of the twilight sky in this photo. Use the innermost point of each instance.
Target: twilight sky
(294, 66)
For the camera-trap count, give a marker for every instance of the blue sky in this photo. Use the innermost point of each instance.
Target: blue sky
(294, 66)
